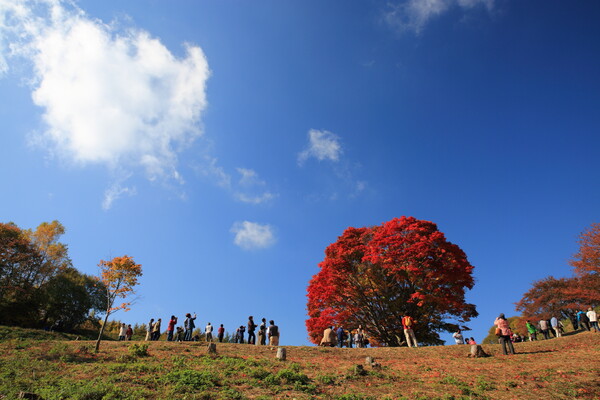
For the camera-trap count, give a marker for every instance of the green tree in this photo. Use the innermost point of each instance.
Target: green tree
(69, 297)
(20, 262)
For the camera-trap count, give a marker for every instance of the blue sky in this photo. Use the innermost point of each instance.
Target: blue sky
(225, 144)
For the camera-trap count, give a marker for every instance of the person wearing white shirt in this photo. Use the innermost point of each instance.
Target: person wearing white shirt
(593, 317)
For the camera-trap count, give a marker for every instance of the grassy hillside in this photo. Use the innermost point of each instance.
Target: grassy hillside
(563, 368)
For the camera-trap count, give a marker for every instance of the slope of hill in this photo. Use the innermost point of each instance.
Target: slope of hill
(562, 368)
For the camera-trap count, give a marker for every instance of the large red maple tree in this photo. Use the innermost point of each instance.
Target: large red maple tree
(373, 276)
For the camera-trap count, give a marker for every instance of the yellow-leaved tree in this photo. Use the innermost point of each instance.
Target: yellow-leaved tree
(120, 276)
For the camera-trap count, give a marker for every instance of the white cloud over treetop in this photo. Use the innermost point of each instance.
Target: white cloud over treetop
(322, 145)
(116, 98)
(413, 15)
(252, 235)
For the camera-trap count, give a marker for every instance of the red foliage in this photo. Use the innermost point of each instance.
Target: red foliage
(372, 276)
(586, 261)
(564, 297)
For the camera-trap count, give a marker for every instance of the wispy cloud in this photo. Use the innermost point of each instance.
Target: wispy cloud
(413, 15)
(322, 145)
(251, 188)
(118, 98)
(114, 192)
(252, 235)
(325, 145)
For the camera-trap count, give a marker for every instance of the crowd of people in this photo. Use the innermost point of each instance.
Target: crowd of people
(267, 333)
(548, 328)
(341, 337)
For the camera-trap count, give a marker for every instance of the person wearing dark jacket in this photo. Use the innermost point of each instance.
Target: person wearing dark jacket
(340, 336)
(273, 334)
(251, 329)
(189, 326)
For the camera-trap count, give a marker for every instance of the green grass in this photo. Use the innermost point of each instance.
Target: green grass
(55, 367)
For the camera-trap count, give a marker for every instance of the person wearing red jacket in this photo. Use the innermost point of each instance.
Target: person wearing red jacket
(171, 328)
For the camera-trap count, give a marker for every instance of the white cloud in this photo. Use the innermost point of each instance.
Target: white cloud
(255, 199)
(115, 192)
(251, 188)
(322, 145)
(252, 235)
(413, 15)
(209, 167)
(249, 177)
(121, 99)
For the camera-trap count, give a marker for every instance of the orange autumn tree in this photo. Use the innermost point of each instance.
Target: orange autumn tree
(586, 264)
(564, 297)
(119, 275)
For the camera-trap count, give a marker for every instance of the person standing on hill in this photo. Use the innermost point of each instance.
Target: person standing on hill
(241, 332)
(584, 321)
(209, 329)
(340, 336)
(251, 329)
(189, 326)
(156, 330)
(407, 324)
(544, 328)
(554, 323)
(220, 333)
(262, 333)
(122, 331)
(273, 334)
(328, 337)
(458, 337)
(532, 331)
(505, 334)
(593, 317)
(171, 328)
(128, 333)
(359, 338)
(149, 329)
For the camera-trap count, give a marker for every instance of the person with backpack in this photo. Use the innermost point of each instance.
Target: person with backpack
(504, 334)
(251, 329)
(273, 334)
(407, 324)
(262, 333)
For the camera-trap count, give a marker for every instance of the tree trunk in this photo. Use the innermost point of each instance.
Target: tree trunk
(97, 348)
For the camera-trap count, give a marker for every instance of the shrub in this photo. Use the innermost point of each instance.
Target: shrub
(191, 380)
(138, 349)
